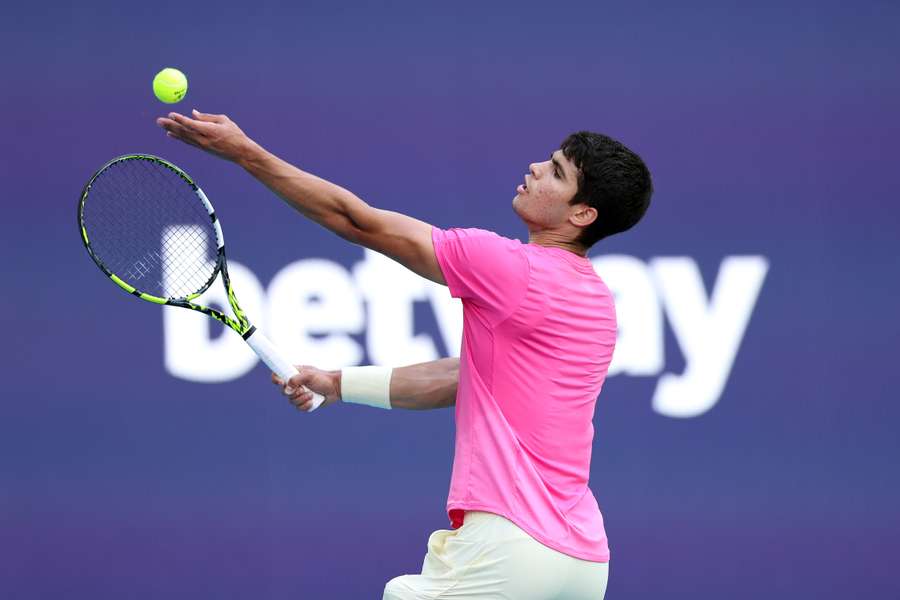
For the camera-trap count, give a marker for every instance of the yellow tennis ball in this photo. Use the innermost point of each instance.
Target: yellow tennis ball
(170, 85)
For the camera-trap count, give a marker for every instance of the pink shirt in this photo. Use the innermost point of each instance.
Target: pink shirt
(539, 328)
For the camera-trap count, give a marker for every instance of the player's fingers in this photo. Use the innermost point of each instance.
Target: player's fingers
(210, 118)
(170, 125)
(183, 120)
(182, 133)
(295, 392)
(302, 395)
(277, 380)
(306, 404)
(305, 375)
(301, 400)
(298, 380)
(178, 137)
(191, 125)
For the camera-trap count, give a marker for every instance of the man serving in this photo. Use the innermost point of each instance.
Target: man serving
(539, 330)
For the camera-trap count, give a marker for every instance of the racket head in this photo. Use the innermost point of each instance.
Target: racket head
(148, 226)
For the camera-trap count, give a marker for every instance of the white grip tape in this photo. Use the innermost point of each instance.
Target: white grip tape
(276, 361)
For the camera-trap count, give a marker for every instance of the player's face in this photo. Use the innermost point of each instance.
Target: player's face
(542, 200)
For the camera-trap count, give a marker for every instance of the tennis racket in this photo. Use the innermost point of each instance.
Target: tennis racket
(150, 229)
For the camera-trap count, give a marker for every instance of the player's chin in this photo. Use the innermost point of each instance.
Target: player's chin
(518, 207)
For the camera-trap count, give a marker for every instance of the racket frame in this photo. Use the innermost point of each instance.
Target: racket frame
(260, 344)
(240, 323)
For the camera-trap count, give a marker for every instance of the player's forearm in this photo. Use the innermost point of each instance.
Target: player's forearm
(415, 387)
(426, 385)
(330, 205)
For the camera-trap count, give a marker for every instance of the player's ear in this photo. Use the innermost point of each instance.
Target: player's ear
(583, 215)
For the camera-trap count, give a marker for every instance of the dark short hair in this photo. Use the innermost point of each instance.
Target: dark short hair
(612, 179)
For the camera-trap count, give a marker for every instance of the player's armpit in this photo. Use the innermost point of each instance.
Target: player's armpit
(400, 237)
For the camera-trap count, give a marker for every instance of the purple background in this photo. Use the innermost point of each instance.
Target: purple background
(771, 128)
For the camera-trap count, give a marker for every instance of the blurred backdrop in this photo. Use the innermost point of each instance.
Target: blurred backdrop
(746, 440)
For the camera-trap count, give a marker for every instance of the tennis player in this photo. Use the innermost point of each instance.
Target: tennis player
(539, 330)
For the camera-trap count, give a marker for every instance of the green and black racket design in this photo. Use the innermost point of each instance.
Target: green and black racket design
(152, 231)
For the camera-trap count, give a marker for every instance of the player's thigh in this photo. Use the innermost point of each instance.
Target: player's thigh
(490, 558)
(517, 570)
(419, 587)
(452, 558)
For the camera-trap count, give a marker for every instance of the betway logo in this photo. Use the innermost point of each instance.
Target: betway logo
(313, 308)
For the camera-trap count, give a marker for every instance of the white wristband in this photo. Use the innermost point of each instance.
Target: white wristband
(367, 385)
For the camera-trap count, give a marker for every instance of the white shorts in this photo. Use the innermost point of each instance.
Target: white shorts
(489, 557)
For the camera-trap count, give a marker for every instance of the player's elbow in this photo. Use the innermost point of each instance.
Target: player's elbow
(451, 382)
(452, 366)
(349, 217)
(360, 226)
(345, 226)
(349, 233)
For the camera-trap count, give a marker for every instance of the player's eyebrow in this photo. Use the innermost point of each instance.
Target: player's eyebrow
(558, 165)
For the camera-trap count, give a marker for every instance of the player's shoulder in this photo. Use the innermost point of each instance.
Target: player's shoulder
(478, 248)
(477, 235)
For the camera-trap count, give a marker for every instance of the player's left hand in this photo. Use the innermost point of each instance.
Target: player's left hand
(216, 134)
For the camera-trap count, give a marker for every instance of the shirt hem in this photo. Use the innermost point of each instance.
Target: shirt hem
(601, 557)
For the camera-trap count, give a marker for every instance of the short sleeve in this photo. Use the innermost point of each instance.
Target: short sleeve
(484, 268)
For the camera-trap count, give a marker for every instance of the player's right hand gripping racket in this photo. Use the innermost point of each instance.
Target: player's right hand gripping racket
(150, 229)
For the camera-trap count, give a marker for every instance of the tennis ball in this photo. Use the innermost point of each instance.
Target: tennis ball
(170, 85)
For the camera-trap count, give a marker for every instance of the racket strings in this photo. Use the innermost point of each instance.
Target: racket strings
(148, 226)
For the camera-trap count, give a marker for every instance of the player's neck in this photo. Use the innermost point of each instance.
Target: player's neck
(549, 239)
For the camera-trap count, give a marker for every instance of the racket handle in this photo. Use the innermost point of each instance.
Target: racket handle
(276, 361)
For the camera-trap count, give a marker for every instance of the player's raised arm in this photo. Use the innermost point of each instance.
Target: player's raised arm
(421, 386)
(405, 239)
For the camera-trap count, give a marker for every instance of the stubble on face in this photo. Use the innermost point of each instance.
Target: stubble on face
(542, 201)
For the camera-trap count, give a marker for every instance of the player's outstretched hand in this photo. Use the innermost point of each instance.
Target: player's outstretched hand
(327, 383)
(217, 134)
